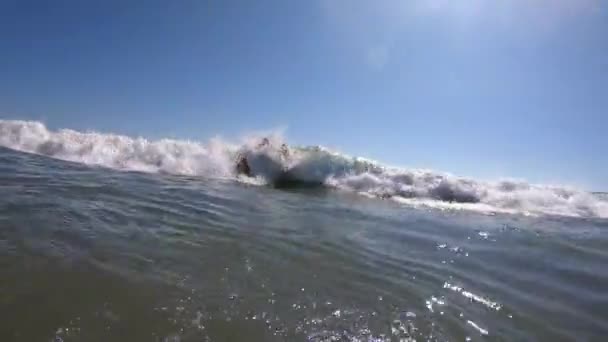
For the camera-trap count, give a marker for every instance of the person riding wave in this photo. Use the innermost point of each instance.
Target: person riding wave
(242, 165)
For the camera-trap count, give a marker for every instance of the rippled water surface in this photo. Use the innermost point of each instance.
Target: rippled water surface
(91, 254)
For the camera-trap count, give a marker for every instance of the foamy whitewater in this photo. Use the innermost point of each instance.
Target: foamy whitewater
(217, 158)
(91, 253)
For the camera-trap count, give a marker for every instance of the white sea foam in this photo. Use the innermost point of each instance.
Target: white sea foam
(217, 158)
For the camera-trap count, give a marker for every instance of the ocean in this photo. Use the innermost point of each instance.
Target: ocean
(110, 238)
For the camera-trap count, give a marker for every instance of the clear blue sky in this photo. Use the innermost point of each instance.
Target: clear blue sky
(478, 88)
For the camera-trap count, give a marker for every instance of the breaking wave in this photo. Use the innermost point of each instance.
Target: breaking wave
(314, 164)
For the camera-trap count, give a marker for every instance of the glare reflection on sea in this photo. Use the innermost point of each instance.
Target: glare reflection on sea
(90, 254)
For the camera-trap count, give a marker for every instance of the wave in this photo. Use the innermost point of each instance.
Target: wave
(314, 164)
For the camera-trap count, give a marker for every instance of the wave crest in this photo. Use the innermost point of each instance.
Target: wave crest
(307, 164)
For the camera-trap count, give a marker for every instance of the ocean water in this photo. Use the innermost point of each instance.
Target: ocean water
(111, 238)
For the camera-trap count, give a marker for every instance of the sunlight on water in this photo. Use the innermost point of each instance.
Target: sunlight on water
(91, 254)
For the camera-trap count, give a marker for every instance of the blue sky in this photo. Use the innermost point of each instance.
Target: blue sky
(478, 88)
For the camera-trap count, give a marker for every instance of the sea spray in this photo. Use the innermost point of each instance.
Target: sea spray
(317, 164)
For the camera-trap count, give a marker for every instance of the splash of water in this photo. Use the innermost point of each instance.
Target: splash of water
(217, 158)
